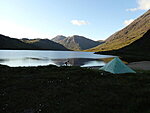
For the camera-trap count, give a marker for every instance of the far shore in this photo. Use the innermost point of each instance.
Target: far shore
(136, 65)
(140, 65)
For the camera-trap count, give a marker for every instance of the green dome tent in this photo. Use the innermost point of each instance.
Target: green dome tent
(116, 66)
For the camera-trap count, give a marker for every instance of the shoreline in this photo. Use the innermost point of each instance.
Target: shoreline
(139, 65)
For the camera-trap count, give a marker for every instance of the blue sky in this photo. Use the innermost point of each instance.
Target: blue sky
(95, 19)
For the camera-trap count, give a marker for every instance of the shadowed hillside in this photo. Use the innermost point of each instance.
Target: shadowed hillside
(139, 49)
(26, 44)
(45, 44)
(126, 36)
(12, 43)
(78, 42)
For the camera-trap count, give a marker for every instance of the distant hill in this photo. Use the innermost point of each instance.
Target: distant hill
(126, 36)
(58, 38)
(45, 44)
(139, 49)
(12, 43)
(27, 44)
(76, 42)
(100, 41)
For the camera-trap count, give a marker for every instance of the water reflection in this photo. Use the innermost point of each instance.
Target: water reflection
(3, 60)
(84, 62)
(29, 61)
(16, 58)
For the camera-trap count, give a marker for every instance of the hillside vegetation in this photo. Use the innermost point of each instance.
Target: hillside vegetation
(45, 44)
(12, 43)
(26, 44)
(126, 36)
(138, 50)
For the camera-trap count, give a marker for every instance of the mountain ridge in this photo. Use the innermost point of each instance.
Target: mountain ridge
(7, 43)
(77, 42)
(127, 35)
(58, 38)
(45, 44)
(138, 50)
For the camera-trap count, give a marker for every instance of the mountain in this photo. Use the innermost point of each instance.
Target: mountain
(27, 44)
(12, 43)
(100, 41)
(126, 36)
(76, 42)
(139, 49)
(58, 38)
(45, 44)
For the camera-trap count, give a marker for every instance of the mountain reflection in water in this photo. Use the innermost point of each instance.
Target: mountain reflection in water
(84, 62)
(17, 58)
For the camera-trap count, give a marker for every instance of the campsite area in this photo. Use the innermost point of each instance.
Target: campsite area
(52, 89)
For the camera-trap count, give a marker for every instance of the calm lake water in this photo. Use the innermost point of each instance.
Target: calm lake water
(16, 58)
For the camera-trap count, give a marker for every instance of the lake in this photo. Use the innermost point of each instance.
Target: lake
(17, 58)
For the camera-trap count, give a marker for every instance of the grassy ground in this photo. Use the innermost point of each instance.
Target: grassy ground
(52, 89)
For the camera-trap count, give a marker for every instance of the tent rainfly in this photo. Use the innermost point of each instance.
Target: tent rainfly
(116, 66)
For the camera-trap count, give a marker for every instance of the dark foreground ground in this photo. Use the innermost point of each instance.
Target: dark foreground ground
(54, 89)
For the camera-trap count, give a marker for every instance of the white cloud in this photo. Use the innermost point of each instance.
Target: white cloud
(132, 9)
(127, 22)
(79, 22)
(14, 30)
(142, 5)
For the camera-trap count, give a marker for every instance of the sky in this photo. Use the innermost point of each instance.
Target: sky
(94, 19)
